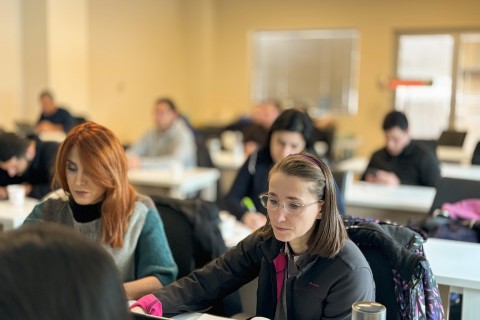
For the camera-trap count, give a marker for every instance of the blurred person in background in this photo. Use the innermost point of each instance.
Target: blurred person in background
(170, 140)
(30, 162)
(402, 161)
(290, 133)
(53, 118)
(255, 129)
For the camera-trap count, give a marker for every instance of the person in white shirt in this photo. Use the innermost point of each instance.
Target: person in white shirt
(171, 140)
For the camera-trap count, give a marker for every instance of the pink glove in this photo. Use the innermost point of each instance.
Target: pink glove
(150, 304)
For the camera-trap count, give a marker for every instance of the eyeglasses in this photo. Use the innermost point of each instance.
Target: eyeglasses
(290, 207)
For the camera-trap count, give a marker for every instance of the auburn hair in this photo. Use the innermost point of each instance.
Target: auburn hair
(329, 234)
(103, 158)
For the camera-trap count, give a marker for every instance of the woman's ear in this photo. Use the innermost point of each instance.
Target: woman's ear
(320, 208)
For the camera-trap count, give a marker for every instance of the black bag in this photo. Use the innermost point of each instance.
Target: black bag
(442, 227)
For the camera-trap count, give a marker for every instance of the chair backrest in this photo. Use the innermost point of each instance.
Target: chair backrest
(401, 272)
(476, 154)
(453, 190)
(340, 178)
(192, 230)
(451, 138)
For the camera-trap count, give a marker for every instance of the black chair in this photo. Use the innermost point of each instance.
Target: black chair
(191, 227)
(476, 154)
(340, 178)
(453, 190)
(204, 160)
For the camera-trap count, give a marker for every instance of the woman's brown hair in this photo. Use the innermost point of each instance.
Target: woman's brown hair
(329, 233)
(103, 157)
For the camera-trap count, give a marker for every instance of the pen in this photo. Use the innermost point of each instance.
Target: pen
(248, 203)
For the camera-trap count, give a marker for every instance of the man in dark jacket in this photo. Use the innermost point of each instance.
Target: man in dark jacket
(27, 162)
(402, 161)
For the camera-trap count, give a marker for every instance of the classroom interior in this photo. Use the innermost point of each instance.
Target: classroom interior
(109, 60)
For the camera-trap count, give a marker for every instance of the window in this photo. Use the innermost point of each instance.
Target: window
(316, 69)
(451, 60)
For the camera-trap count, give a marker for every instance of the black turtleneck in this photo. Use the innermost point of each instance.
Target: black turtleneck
(86, 213)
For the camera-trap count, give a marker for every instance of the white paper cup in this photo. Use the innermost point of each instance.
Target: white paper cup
(16, 194)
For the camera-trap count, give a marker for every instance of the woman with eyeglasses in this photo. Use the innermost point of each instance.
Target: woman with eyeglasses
(290, 133)
(307, 268)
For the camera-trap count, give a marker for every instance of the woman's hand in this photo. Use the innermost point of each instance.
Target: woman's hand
(254, 220)
(138, 310)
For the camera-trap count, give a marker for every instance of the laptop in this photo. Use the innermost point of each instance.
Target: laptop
(25, 128)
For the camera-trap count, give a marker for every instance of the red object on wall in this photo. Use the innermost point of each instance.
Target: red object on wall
(394, 83)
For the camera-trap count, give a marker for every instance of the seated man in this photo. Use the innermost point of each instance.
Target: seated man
(170, 140)
(402, 161)
(255, 129)
(53, 118)
(27, 162)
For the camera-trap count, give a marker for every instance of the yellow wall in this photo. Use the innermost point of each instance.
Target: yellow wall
(198, 52)
(136, 55)
(377, 22)
(10, 63)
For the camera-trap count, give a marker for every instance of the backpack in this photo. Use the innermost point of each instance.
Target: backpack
(404, 281)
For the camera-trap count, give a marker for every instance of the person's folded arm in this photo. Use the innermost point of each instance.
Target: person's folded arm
(154, 264)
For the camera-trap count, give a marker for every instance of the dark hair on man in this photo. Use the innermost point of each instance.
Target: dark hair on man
(46, 94)
(12, 145)
(50, 271)
(395, 119)
(168, 102)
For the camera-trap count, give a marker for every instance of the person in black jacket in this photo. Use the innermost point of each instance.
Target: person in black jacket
(307, 268)
(290, 133)
(30, 162)
(402, 161)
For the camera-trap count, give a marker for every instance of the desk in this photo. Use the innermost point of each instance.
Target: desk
(167, 183)
(461, 171)
(453, 154)
(228, 163)
(395, 203)
(455, 264)
(13, 216)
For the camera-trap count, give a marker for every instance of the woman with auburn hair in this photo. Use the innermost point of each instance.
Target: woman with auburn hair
(307, 268)
(98, 201)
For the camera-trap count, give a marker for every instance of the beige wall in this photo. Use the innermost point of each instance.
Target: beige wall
(136, 55)
(198, 52)
(10, 63)
(377, 22)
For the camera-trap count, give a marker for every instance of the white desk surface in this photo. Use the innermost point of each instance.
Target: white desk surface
(227, 160)
(455, 265)
(179, 185)
(403, 197)
(461, 171)
(13, 216)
